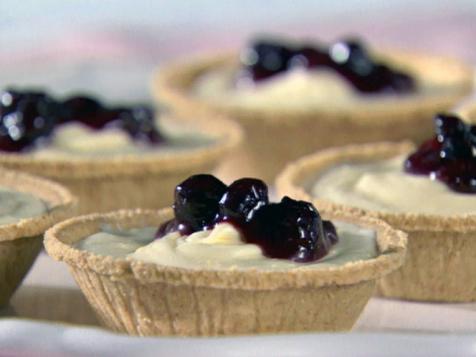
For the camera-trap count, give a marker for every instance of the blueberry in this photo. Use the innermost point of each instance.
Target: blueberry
(349, 58)
(449, 156)
(447, 126)
(459, 175)
(138, 122)
(196, 201)
(265, 58)
(330, 231)
(174, 225)
(426, 159)
(353, 56)
(81, 107)
(354, 62)
(89, 111)
(311, 57)
(290, 230)
(454, 136)
(29, 117)
(242, 198)
(402, 83)
(472, 135)
(287, 230)
(166, 228)
(25, 118)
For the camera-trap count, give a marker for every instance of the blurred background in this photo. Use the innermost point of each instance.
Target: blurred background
(112, 47)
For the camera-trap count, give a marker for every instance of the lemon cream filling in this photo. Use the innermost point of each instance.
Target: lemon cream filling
(79, 140)
(221, 248)
(15, 205)
(384, 186)
(295, 89)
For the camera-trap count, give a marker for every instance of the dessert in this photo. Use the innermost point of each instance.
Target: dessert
(104, 154)
(429, 193)
(28, 206)
(294, 98)
(226, 261)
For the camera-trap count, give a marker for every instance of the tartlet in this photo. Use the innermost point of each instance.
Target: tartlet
(149, 299)
(276, 135)
(133, 180)
(440, 262)
(21, 241)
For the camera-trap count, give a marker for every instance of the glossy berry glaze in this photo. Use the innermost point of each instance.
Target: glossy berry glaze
(287, 230)
(29, 118)
(449, 156)
(350, 59)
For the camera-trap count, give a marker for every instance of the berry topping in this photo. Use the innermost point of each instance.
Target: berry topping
(138, 122)
(85, 110)
(330, 231)
(242, 198)
(264, 59)
(29, 117)
(25, 118)
(196, 201)
(290, 230)
(287, 230)
(449, 156)
(426, 159)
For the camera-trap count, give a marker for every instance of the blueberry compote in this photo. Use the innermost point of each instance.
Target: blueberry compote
(28, 118)
(450, 156)
(349, 58)
(287, 230)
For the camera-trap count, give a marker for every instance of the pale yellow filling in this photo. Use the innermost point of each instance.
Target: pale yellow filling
(221, 248)
(296, 89)
(385, 186)
(15, 205)
(76, 139)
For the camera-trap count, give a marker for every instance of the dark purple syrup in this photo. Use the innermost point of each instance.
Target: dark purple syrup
(449, 156)
(350, 59)
(287, 230)
(28, 118)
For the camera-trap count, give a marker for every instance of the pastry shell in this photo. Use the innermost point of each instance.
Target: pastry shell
(275, 136)
(21, 242)
(441, 257)
(131, 181)
(148, 299)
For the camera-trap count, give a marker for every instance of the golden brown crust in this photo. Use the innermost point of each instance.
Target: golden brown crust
(306, 130)
(58, 240)
(296, 178)
(59, 200)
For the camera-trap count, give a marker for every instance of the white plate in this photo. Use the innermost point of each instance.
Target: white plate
(27, 338)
